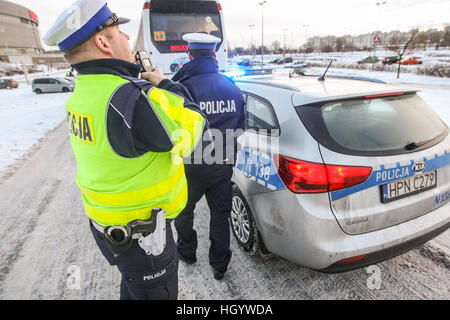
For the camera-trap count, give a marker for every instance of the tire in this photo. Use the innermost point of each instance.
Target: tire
(174, 67)
(243, 225)
(8, 87)
(65, 89)
(38, 91)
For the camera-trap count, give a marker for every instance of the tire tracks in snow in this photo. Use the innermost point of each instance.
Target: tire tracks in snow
(16, 251)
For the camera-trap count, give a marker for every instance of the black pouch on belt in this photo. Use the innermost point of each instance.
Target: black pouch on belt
(119, 238)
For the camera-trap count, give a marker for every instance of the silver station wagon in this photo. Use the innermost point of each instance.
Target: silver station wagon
(47, 85)
(338, 174)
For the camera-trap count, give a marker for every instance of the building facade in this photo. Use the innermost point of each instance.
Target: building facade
(19, 32)
(20, 39)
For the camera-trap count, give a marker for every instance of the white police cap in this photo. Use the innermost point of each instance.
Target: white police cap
(201, 41)
(79, 22)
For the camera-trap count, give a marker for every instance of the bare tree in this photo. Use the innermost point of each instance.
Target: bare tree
(402, 44)
(276, 46)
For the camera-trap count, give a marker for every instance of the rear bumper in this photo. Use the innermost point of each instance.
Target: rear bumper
(379, 256)
(303, 230)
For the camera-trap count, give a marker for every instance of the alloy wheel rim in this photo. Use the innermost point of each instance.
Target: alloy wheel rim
(240, 220)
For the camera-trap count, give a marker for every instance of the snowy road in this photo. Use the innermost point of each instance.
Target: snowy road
(46, 241)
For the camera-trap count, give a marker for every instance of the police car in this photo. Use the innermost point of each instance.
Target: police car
(338, 174)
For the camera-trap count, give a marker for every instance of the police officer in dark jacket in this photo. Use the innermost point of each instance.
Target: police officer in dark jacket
(222, 103)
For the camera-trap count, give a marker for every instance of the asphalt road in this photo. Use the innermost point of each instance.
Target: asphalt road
(47, 251)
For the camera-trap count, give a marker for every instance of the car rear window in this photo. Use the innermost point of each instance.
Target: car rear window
(377, 126)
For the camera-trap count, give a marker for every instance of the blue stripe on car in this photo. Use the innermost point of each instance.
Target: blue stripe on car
(383, 175)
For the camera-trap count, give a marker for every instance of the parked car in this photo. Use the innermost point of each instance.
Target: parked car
(299, 64)
(338, 174)
(282, 60)
(8, 84)
(46, 85)
(298, 68)
(390, 60)
(369, 59)
(412, 60)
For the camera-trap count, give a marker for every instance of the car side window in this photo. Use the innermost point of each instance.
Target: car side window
(260, 115)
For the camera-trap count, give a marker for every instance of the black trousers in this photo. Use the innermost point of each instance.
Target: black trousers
(144, 277)
(213, 181)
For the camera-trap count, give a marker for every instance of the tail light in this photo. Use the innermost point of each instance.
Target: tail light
(309, 177)
(384, 95)
(147, 5)
(219, 6)
(10, 82)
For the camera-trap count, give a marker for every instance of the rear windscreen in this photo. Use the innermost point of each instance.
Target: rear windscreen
(169, 21)
(380, 126)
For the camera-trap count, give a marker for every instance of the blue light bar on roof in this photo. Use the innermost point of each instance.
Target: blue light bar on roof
(234, 73)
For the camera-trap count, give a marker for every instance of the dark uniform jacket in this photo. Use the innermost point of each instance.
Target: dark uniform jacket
(145, 133)
(219, 99)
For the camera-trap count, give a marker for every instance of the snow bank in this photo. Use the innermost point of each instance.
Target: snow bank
(25, 117)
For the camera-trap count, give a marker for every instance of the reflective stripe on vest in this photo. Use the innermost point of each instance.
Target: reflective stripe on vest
(138, 196)
(105, 217)
(193, 122)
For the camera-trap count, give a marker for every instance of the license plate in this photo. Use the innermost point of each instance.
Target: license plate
(408, 187)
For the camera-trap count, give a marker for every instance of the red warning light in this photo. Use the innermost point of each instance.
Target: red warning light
(33, 15)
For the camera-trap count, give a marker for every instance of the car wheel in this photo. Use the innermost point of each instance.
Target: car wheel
(38, 91)
(65, 89)
(8, 87)
(243, 224)
(174, 67)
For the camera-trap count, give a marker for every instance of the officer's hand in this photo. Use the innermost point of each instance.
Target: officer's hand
(155, 77)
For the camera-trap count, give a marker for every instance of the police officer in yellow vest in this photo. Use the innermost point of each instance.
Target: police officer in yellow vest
(128, 136)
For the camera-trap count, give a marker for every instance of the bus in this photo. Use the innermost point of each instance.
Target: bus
(164, 22)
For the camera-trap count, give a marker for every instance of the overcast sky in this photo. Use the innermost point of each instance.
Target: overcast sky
(287, 17)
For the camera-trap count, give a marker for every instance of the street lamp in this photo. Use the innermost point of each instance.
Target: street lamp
(376, 38)
(262, 33)
(380, 5)
(306, 26)
(284, 35)
(251, 44)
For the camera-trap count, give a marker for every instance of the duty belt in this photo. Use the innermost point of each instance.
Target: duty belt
(151, 234)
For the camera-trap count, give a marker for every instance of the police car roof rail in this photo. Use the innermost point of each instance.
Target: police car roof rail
(269, 84)
(358, 78)
(350, 78)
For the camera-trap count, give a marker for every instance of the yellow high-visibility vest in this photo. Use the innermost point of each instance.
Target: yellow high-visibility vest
(117, 190)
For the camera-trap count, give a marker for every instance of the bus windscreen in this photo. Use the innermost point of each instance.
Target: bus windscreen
(169, 23)
(168, 29)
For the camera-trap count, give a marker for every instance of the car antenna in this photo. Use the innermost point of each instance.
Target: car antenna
(322, 78)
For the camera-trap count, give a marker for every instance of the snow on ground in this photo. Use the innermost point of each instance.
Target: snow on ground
(429, 57)
(389, 77)
(25, 117)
